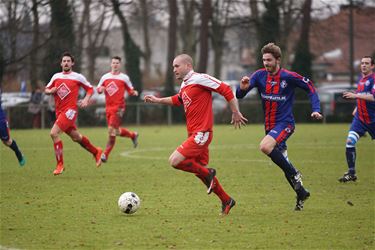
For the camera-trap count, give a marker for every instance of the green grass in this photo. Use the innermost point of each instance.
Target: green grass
(79, 208)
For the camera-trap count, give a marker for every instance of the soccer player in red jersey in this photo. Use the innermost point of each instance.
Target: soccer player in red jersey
(114, 84)
(196, 96)
(364, 115)
(276, 87)
(64, 86)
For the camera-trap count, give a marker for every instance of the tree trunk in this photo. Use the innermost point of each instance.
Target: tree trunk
(146, 39)
(187, 30)
(204, 35)
(132, 51)
(172, 29)
(33, 69)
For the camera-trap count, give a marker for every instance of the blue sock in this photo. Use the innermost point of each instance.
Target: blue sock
(350, 159)
(16, 150)
(278, 158)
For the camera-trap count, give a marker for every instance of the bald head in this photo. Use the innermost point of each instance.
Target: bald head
(182, 64)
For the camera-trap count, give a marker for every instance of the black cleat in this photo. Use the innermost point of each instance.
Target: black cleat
(226, 207)
(301, 200)
(210, 180)
(348, 177)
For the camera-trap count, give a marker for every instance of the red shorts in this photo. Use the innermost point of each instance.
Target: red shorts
(66, 120)
(196, 147)
(114, 118)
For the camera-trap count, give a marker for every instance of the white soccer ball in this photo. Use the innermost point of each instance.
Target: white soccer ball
(129, 202)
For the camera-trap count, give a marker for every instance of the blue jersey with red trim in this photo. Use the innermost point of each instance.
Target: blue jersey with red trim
(366, 109)
(277, 94)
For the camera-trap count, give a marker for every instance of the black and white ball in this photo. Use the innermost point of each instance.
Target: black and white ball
(129, 202)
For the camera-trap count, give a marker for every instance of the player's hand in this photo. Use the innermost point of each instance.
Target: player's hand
(316, 115)
(50, 91)
(100, 89)
(349, 95)
(238, 120)
(83, 103)
(135, 93)
(151, 99)
(245, 83)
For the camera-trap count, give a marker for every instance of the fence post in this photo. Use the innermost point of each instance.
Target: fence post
(169, 115)
(43, 116)
(138, 113)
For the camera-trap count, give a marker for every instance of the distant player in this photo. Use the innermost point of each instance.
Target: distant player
(196, 96)
(64, 86)
(364, 115)
(6, 139)
(276, 87)
(114, 84)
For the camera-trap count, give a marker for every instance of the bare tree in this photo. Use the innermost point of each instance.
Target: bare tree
(132, 51)
(206, 12)
(220, 19)
(146, 39)
(169, 84)
(33, 71)
(187, 29)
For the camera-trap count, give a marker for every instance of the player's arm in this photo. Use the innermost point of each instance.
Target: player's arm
(237, 118)
(50, 91)
(352, 95)
(89, 91)
(307, 85)
(245, 86)
(163, 100)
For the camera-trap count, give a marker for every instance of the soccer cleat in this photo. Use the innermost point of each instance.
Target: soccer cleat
(103, 158)
(59, 169)
(135, 139)
(226, 207)
(98, 156)
(301, 200)
(297, 181)
(210, 180)
(348, 177)
(22, 162)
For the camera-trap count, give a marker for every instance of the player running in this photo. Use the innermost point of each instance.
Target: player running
(6, 139)
(196, 96)
(364, 115)
(64, 86)
(276, 87)
(114, 84)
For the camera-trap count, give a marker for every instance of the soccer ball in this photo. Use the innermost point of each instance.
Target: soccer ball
(129, 202)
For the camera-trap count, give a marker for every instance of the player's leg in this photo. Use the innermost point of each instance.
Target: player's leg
(58, 148)
(121, 131)
(357, 129)
(86, 144)
(11, 143)
(110, 143)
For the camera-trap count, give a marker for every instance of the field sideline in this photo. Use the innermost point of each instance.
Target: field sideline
(79, 208)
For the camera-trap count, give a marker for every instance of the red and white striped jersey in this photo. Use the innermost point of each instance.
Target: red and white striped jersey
(115, 86)
(68, 85)
(196, 96)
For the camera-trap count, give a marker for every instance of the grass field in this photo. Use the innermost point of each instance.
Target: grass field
(79, 208)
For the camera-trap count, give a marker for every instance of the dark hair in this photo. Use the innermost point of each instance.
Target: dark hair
(371, 58)
(68, 54)
(117, 58)
(272, 49)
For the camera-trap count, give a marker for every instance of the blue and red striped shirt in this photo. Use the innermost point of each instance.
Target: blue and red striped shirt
(277, 94)
(366, 109)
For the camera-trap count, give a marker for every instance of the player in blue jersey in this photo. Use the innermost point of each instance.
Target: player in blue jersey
(364, 115)
(6, 139)
(276, 89)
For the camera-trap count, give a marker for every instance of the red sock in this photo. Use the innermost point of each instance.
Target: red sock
(192, 166)
(58, 146)
(85, 143)
(126, 133)
(110, 144)
(218, 189)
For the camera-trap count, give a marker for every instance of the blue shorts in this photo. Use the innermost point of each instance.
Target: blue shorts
(361, 128)
(281, 132)
(4, 130)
